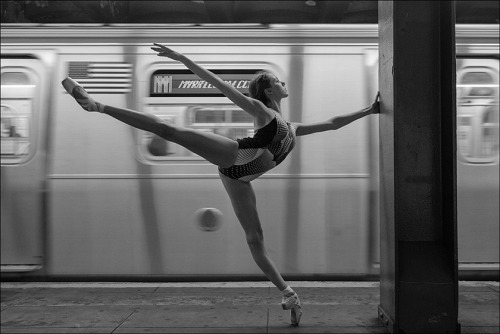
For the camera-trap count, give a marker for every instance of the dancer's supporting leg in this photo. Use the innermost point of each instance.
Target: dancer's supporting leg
(244, 203)
(245, 206)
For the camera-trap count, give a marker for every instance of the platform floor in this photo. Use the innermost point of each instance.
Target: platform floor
(243, 307)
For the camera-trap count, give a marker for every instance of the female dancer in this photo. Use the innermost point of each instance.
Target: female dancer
(240, 161)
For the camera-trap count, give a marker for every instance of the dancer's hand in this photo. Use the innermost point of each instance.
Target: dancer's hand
(163, 51)
(375, 107)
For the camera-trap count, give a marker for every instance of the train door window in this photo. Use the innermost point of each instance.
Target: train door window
(169, 90)
(17, 139)
(227, 121)
(477, 110)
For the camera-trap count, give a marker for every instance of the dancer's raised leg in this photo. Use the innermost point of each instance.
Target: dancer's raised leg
(219, 150)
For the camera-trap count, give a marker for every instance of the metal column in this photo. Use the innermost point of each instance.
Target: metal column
(418, 254)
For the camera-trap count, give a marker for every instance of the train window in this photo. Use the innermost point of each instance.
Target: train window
(477, 84)
(227, 121)
(15, 79)
(477, 110)
(16, 117)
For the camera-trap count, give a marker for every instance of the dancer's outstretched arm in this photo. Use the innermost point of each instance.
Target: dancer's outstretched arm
(336, 122)
(252, 106)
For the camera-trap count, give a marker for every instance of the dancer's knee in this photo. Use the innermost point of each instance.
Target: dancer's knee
(255, 239)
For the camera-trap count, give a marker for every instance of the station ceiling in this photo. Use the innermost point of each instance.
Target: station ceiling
(220, 12)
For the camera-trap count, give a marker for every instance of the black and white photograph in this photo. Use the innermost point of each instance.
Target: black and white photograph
(240, 166)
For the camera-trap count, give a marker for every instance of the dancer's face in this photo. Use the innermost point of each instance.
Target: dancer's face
(277, 88)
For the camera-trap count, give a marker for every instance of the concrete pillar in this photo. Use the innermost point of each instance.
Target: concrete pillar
(418, 254)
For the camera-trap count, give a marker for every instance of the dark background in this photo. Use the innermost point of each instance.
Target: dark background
(219, 12)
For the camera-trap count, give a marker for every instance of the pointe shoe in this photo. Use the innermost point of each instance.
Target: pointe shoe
(292, 303)
(80, 95)
(296, 314)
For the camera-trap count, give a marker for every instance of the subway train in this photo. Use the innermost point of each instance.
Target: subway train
(86, 197)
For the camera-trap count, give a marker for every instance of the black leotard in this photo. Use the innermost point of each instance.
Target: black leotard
(265, 150)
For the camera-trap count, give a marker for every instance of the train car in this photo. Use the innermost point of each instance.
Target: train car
(87, 197)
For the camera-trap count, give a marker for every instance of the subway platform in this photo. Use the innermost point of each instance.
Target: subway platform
(226, 307)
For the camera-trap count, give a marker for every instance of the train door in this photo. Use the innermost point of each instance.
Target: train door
(22, 163)
(371, 72)
(188, 187)
(477, 162)
(477, 166)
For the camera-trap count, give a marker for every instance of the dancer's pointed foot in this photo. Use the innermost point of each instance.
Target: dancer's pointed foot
(296, 314)
(80, 95)
(292, 303)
